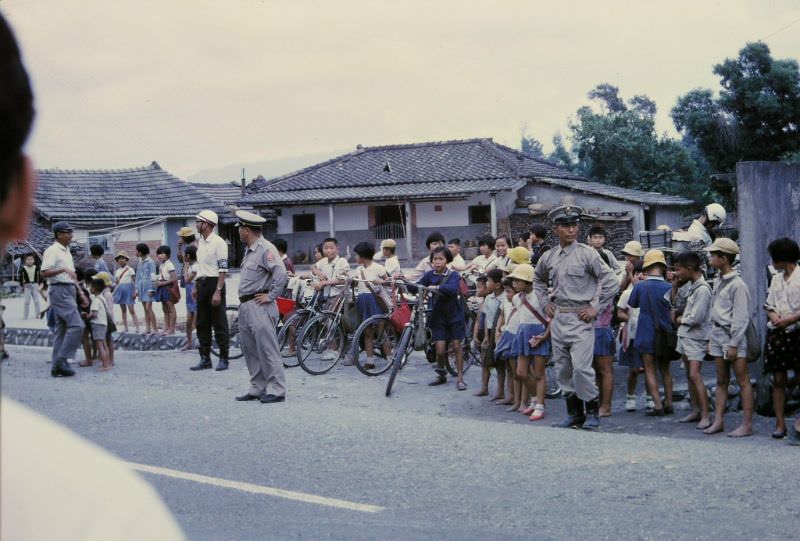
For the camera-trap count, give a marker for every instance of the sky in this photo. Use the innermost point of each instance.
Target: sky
(197, 85)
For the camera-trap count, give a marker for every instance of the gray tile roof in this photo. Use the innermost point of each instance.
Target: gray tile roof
(118, 195)
(226, 193)
(429, 170)
(39, 238)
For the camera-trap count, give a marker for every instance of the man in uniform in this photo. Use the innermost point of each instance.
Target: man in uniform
(58, 268)
(262, 280)
(209, 291)
(582, 285)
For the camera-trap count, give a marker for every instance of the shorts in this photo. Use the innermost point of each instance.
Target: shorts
(448, 331)
(604, 345)
(524, 334)
(191, 304)
(163, 294)
(123, 294)
(718, 342)
(487, 351)
(630, 357)
(693, 348)
(99, 331)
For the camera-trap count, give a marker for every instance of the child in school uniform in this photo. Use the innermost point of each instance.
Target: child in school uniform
(189, 275)
(506, 349)
(783, 331)
(651, 297)
(435, 240)
(166, 280)
(693, 333)
(367, 303)
(532, 340)
(501, 260)
(108, 297)
(486, 255)
(390, 261)
(604, 346)
(730, 316)
(490, 313)
(123, 293)
(145, 290)
(628, 354)
(98, 320)
(446, 321)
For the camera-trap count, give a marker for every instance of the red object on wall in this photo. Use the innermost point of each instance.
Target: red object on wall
(437, 208)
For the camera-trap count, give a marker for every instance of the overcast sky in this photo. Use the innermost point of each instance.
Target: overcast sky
(201, 84)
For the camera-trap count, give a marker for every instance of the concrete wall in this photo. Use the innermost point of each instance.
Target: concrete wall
(345, 217)
(768, 195)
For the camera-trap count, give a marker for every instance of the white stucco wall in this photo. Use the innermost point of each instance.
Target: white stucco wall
(345, 217)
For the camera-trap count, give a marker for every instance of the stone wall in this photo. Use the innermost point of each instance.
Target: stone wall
(127, 341)
(619, 228)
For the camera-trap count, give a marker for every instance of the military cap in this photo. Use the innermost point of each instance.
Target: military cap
(565, 214)
(60, 227)
(726, 246)
(388, 243)
(249, 219)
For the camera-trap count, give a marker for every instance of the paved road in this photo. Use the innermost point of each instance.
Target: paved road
(438, 464)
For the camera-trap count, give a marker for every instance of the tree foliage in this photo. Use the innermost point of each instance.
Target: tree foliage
(756, 115)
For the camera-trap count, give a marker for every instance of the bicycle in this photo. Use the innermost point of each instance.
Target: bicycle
(384, 334)
(234, 339)
(322, 340)
(293, 326)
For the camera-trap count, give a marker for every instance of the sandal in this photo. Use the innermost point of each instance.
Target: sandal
(461, 386)
(84, 364)
(538, 413)
(779, 434)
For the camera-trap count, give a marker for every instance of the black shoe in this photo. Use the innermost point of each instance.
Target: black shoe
(204, 364)
(272, 398)
(669, 410)
(247, 397)
(592, 421)
(62, 370)
(575, 416)
(655, 412)
(441, 379)
(222, 365)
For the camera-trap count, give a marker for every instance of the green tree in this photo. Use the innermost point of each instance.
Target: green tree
(530, 145)
(619, 145)
(756, 115)
(561, 156)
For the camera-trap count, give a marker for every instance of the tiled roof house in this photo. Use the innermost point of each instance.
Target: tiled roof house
(462, 188)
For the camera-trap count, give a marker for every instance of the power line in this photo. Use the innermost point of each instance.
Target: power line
(781, 29)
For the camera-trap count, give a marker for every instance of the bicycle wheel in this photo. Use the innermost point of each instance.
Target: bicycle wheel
(386, 338)
(287, 336)
(234, 339)
(400, 356)
(471, 355)
(320, 344)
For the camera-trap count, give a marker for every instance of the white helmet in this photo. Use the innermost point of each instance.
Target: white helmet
(715, 213)
(211, 217)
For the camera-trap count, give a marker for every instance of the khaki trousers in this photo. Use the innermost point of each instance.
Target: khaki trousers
(573, 350)
(257, 324)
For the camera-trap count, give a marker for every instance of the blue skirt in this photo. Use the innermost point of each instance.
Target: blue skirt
(162, 294)
(630, 357)
(506, 346)
(191, 304)
(123, 294)
(367, 306)
(527, 331)
(604, 341)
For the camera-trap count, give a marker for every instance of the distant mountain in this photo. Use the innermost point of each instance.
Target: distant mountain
(266, 168)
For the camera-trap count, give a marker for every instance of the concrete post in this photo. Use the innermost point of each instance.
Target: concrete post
(493, 212)
(331, 225)
(409, 233)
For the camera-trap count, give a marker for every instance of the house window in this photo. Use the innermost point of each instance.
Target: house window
(304, 222)
(102, 238)
(480, 214)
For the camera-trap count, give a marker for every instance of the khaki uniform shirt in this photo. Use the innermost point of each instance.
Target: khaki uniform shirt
(262, 270)
(730, 306)
(694, 320)
(579, 277)
(57, 256)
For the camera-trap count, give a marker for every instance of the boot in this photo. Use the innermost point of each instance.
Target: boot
(592, 418)
(61, 369)
(441, 378)
(575, 415)
(222, 365)
(204, 364)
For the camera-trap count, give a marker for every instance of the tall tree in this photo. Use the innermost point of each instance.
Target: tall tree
(530, 145)
(756, 115)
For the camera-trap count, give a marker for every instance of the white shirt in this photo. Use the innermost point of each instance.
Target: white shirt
(490, 307)
(783, 296)
(419, 271)
(124, 275)
(698, 230)
(633, 313)
(166, 268)
(192, 270)
(57, 256)
(99, 305)
(458, 263)
(525, 316)
(333, 270)
(392, 265)
(482, 261)
(370, 273)
(510, 322)
(212, 256)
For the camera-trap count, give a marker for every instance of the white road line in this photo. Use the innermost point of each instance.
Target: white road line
(258, 489)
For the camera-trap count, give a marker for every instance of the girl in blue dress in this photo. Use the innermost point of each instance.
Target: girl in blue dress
(651, 297)
(446, 320)
(144, 286)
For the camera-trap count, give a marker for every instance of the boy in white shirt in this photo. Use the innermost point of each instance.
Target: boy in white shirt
(98, 318)
(390, 260)
(458, 264)
(433, 241)
(331, 270)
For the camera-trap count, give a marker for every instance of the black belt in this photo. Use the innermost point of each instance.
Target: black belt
(249, 297)
(61, 284)
(207, 278)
